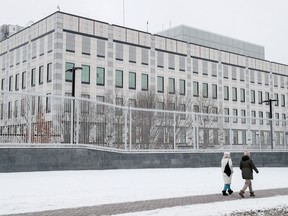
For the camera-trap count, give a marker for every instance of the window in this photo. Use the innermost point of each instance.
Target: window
(144, 82)
(277, 119)
(100, 48)
(225, 71)
(259, 75)
(226, 113)
(48, 104)
(214, 110)
(85, 104)
(160, 59)
(252, 96)
(132, 80)
(17, 82)
(252, 76)
(267, 79)
(242, 95)
(195, 89)
(282, 100)
(253, 115)
(86, 45)
(100, 107)
(234, 93)
(49, 72)
(243, 115)
(226, 93)
(205, 90)
(181, 63)
(182, 88)
(283, 119)
(119, 79)
(277, 99)
(171, 86)
(261, 117)
(144, 58)
(85, 74)
(119, 102)
(160, 84)
(22, 107)
(171, 61)
(260, 97)
(119, 52)
(24, 80)
(9, 110)
(132, 54)
(68, 74)
(204, 67)
(214, 91)
(267, 97)
(33, 77)
(242, 75)
(182, 108)
(16, 109)
(275, 80)
(100, 73)
(214, 69)
(268, 117)
(41, 71)
(70, 42)
(67, 103)
(10, 83)
(235, 114)
(234, 74)
(3, 84)
(196, 108)
(195, 66)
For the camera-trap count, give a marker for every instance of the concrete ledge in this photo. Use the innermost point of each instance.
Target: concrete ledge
(53, 159)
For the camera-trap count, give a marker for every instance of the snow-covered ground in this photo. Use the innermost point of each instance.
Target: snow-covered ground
(39, 191)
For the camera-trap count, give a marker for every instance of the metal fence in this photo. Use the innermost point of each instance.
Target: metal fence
(42, 119)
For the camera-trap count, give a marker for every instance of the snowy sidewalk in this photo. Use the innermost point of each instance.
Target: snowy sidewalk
(146, 205)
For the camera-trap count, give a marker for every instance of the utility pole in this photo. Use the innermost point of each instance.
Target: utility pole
(270, 116)
(73, 69)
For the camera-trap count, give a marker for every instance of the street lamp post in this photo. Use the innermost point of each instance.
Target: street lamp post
(73, 69)
(270, 116)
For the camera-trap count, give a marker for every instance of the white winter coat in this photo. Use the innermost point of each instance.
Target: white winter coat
(227, 179)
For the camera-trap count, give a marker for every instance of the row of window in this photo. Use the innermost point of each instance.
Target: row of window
(119, 79)
(253, 115)
(15, 109)
(14, 82)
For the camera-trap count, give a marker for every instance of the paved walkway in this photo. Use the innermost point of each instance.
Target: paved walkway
(121, 208)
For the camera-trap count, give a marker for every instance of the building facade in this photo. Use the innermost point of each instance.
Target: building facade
(119, 62)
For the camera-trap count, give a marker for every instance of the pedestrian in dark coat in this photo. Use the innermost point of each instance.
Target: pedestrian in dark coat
(247, 166)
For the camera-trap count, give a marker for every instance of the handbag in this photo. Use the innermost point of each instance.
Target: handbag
(227, 169)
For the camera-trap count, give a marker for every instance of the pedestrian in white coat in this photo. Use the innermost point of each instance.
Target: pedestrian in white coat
(227, 171)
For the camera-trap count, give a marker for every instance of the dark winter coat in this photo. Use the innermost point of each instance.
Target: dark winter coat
(247, 166)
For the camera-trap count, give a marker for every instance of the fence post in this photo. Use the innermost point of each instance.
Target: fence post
(72, 121)
(126, 127)
(130, 128)
(174, 129)
(77, 127)
(29, 120)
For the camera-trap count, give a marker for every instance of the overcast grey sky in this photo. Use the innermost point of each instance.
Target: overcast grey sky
(263, 22)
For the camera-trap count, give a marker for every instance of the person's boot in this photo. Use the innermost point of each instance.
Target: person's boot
(241, 193)
(230, 191)
(252, 194)
(224, 193)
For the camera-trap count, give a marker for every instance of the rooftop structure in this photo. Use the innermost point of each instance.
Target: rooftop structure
(217, 41)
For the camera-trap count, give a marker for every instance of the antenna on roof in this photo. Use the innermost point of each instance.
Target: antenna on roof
(123, 12)
(58, 7)
(147, 26)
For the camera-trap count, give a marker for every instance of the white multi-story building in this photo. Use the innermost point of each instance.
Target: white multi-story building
(119, 62)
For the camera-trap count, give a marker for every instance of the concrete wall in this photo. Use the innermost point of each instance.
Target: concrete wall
(48, 159)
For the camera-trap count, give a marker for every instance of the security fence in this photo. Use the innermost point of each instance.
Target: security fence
(42, 119)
